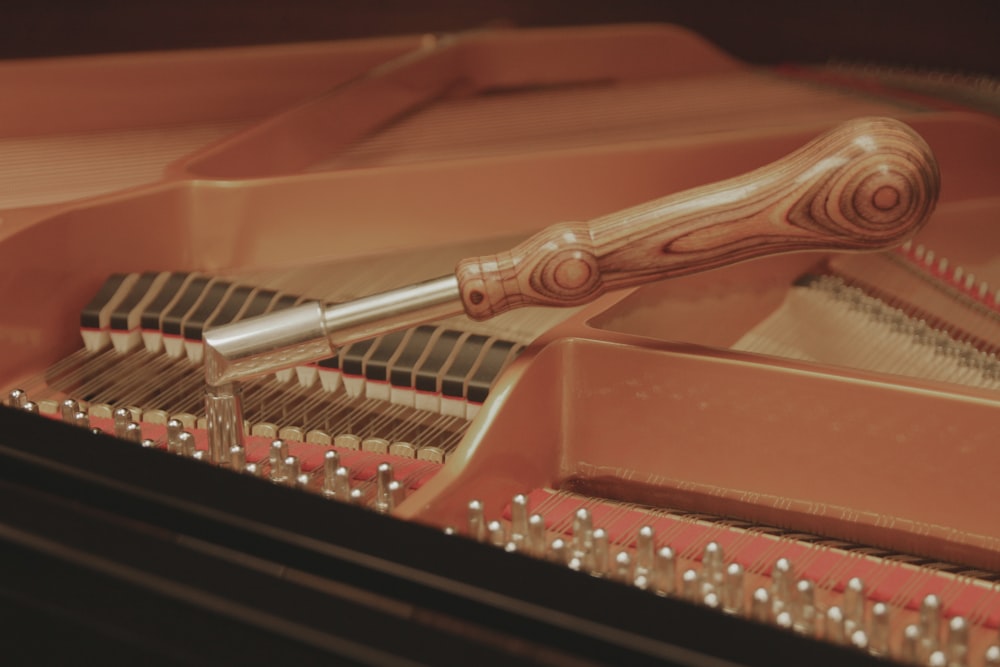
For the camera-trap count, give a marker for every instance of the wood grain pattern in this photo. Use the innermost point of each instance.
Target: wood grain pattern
(866, 185)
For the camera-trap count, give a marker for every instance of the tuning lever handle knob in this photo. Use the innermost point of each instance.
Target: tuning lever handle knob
(866, 185)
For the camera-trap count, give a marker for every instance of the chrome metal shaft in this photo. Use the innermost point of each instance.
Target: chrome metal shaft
(309, 332)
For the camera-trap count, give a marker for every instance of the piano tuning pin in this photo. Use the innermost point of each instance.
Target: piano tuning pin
(732, 589)
(133, 432)
(185, 444)
(31, 407)
(383, 475)
(450, 530)
(760, 606)
(278, 452)
(291, 468)
(930, 623)
(147, 443)
(690, 585)
(804, 607)
(711, 564)
(122, 418)
(276, 456)
(199, 455)
(957, 646)
(496, 534)
(854, 605)
(622, 567)
(784, 620)
(878, 629)
(664, 571)
(536, 535)
(711, 600)
(331, 461)
(237, 458)
(68, 410)
(645, 551)
(519, 518)
(937, 659)
(17, 398)
(578, 561)
(859, 640)
(583, 532)
(81, 419)
(356, 496)
(251, 469)
(992, 656)
(302, 480)
(342, 484)
(174, 430)
(476, 521)
(834, 626)
(781, 584)
(909, 648)
(599, 553)
(558, 551)
(397, 493)
(330, 476)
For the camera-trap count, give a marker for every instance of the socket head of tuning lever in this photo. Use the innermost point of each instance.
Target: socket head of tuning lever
(252, 347)
(263, 344)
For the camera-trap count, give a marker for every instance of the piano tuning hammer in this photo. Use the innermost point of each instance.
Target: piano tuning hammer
(866, 185)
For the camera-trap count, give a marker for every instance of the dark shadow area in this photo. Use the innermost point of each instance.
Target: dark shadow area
(958, 36)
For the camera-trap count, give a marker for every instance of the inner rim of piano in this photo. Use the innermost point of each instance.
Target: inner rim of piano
(603, 396)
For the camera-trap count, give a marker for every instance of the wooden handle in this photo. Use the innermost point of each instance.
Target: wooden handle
(866, 185)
